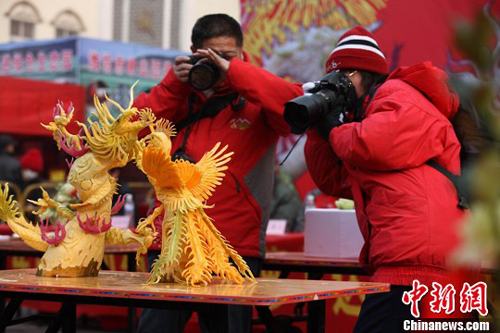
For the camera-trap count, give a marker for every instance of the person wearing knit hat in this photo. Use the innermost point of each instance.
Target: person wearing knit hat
(32, 166)
(32, 160)
(358, 56)
(407, 211)
(357, 49)
(31, 170)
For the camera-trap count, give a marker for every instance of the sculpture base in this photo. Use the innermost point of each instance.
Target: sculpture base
(91, 270)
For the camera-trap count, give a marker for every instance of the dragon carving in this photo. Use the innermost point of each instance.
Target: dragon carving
(193, 250)
(77, 248)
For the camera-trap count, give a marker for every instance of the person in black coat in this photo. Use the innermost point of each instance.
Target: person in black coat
(10, 168)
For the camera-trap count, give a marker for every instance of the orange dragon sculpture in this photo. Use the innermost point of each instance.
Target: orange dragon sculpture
(192, 248)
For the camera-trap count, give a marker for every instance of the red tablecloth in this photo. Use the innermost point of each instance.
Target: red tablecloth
(4, 229)
(293, 242)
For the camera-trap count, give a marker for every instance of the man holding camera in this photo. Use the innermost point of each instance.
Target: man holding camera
(374, 149)
(216, 96)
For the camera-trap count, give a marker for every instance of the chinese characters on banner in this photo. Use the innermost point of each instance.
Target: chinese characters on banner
(32, 63)
(62, 61)
(443, 298)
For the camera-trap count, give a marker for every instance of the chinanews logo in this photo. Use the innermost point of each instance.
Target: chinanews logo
(240, 124)
(443, 298)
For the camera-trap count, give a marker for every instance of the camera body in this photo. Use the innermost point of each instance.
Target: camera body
(203, 75)
(333, 90)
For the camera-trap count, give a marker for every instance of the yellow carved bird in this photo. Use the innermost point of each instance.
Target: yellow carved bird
(192, 248)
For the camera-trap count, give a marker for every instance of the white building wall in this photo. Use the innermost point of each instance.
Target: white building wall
(191, 10)
(96, 16)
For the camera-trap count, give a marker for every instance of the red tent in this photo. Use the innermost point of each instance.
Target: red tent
(25, 103)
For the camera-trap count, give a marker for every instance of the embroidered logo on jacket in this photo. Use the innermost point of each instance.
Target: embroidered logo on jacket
(239, 124)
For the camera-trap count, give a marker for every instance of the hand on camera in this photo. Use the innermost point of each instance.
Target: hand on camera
(309, 86)
(182, 67)
(332, 119)
(213, 57)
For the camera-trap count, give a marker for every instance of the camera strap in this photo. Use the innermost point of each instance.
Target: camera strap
(209, 110)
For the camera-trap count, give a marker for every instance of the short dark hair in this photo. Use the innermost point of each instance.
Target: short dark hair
(216, 25)
(5, 140)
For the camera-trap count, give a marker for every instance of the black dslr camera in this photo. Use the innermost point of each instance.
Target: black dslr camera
(333, 90)
(203, 75)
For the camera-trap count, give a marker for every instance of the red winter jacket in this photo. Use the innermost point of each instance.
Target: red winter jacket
(242, 202)
(406, 210)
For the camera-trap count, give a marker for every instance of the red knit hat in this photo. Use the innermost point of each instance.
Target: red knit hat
(357, 49)
(32, 160)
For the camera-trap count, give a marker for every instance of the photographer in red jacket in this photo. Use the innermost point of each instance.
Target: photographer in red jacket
(377, 154)
(224, 99)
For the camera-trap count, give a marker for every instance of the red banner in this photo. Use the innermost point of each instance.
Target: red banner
(26, 103)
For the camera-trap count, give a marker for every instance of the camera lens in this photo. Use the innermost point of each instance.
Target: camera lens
(304, 111)
(203, 76)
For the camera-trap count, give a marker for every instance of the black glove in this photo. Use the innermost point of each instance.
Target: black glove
(334, 118)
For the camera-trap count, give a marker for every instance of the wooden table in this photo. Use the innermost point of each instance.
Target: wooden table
(316, 267)
(128, 289)
(287, 262)
(17, 247)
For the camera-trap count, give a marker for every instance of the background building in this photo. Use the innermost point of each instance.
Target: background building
(160, 23)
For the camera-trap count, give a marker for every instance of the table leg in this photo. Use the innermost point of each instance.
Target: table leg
(131, 313)
(69, 324)
(315, 276)
(131, 263)
(131, 319)
(3, 265)
(65, 319)
(299, 307)
(284, 274)
(316, 316)
(9, 312)
(267, 317)
(218, 322)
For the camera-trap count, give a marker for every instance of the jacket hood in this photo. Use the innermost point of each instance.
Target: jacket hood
(433, 83)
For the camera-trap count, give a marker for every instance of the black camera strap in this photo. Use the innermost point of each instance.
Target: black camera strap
(209, 110)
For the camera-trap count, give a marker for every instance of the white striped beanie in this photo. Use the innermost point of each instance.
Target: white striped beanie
(357, 49)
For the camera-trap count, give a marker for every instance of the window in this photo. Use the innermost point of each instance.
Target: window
(67, 23)
(23, 19)
(65, 33)
(22, 30)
